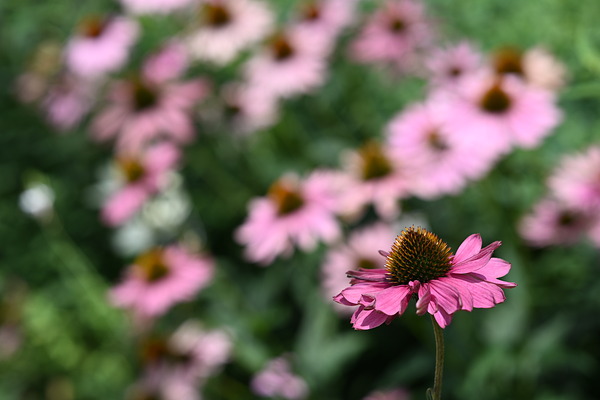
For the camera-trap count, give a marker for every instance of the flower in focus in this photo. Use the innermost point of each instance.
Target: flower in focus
(160, 278)
(294, 213)
(442, 159)
(448, 65)
(149, 107)
(141, 177)
(552, 223)
(154, 6)
(394, 34)
(360, 251)
(373, 175)
(421, 264)
(101, 46)
(394, 394)
(227, 27)
(576, 180)
(289, 64)
(277, 380)
(503, 109)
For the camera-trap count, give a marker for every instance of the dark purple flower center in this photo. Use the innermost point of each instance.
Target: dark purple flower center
(311, 12)
(131, 169)
(568, 218)
(151, 265)
(397, 24)
(216, 15)
(454, 71)
(144, 96)
(495, 100)
(286, 199)
(508, 61)
(437, 142)
(156, 350)
(375, 164)
(281, 48)
(417, 255)
(93, 26)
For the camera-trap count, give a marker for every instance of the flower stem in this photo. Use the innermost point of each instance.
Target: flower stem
(438, 333)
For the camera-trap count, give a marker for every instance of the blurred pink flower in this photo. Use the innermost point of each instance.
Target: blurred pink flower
(155, 6)
(551, 223)
(276, 380)
(576, 180)
(142, 177)
(68, 100)
(323, 20)
(448, 65)
(503, 109)
(442, 159)
(288, 65)
(160, 278)
(101, 46)
(395, 394)
(294, 213)
(227, 27)
(393, 34)
(360, 251)
(147, 108)
(169, 63)
(373, 175)
(248, 108)
(421, 263)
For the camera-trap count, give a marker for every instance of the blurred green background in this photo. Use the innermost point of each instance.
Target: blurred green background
(542, 343)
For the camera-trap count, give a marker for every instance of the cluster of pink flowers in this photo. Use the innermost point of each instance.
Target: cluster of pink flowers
(570, 209)
(276, 380)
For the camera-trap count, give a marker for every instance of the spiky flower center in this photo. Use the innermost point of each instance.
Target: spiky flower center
(131, 169)
(157, 349)
(397, 25)
(93, 26)
(417, 255)
(495, 100)
(508, 61)
(151, 265)
(437, 142)
(374, 163)
(287, 199)
(281, 47)
(216, 15)
(311, 12)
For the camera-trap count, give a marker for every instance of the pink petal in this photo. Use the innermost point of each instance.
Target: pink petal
(444, 295)
(123, 204)
(393, 300)
(476, 261)
(469, 247)
(368, 319)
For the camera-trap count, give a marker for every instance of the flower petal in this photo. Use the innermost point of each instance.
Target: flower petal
(368, 319)
(469, 247)
(476, 261)
(393, 300)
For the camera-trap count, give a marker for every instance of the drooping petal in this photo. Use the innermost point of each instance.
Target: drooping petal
(393, 300)
(444, 295)
(368, 319)
(469, 247)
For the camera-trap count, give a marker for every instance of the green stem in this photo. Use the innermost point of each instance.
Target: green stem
(438, 333)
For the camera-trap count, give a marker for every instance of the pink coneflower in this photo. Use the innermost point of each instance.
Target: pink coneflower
(323, 20)
(373, 175)
(448, 65)
(277, 380)
(360, 251)
(294, 213)
(248, 108)
(552, 223)
(101, 46)
(420, 263)
(228, 26)
(395, 32)
(442, 159)
(167, 64)
(576, 180)
(142, 177)
(160, 278)
(68, 100)
(288, 65)
(155, 6)
(394, 394)
(503, 109)
(147, 108)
